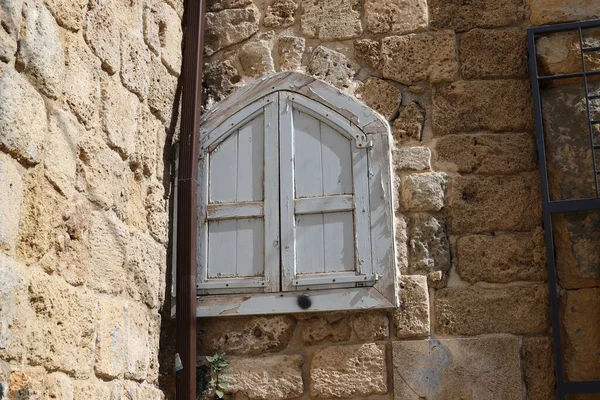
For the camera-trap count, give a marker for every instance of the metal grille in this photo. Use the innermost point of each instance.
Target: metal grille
(578, 203)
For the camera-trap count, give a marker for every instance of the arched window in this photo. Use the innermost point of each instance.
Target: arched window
(295, 202)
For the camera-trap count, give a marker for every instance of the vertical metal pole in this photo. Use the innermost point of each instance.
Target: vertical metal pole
(187, 183)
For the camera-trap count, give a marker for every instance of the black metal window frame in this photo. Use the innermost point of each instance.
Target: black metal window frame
(563, 387)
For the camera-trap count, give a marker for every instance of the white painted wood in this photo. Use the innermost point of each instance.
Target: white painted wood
(222, 249)
(310, 245)
(250, 247)
(313, 205)
(362, 212)
(235, 210)
(222, 187)
(250, 160)
(202, 248)
(336, 155)
(338, 234)
(333, 278)
(308, 158)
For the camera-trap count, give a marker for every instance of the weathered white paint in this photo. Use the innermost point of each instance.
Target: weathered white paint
(313, 205)
(235, 210)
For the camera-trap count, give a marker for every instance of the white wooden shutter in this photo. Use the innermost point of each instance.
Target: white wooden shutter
(325, 228)
(239, 200)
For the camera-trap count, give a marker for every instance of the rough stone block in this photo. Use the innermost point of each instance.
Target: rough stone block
(40, 50)
(218, 5)
(494, 203)
(559, 53)
(334, 328)
(256, 58)
(10, 16)
(146, 142)
(11, 290)
(26, 383)
(411, 319)
(111, 339)
(502, 258)
(220, 79)
(462, 16)
(331, 19)
(135, 65)
(331, 66)
(493, 53)
(140, 391)
(538, 368)
(68, 13)
(409, 124)
(544, 13)
(381, 96)
(137, 332)
(58, 386)
(246, 336)
(412, 158)
(108, 242)
(420, 57)
(486, 153)
(580, 321)
(129, 15)
(163, 86)
(424, 191)
(157, 215)
(61, 150)
(103, 34)
(91, 391)
(11, 198)
(145, 263)
(370, 326)
(279, 377)
(171, 36)
(62, 332)
(82, 89)
(280, 14)
(396, 16)
(428, 247)
(474, 310)
(466, 106)
(368, 51)
(452, 369)
(401, 234)
(291, 49)
(119, 115)
(348, 371)
(228, 27)
(22, 117)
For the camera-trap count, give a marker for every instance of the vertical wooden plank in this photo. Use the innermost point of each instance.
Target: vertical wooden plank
(336, 162)
(308, 158)
(310, 244)
(223, 171)
(250, 247)
(360, 169)
(250, 160)
(338, 237)
(222, 246)
(202, 248)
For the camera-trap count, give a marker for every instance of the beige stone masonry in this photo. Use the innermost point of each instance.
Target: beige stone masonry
(228, 27)
(103, 34)
(11, 198)
(424, 191)
(381, 96)
(544, 13)
(538, 367)
(331, 19)
(396, 16)
(411, 320)
(462, 16)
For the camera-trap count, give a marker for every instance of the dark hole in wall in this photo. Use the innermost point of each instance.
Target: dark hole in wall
(2, 388)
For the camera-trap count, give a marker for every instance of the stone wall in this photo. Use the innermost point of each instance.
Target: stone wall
(451, 78)
(86, 115)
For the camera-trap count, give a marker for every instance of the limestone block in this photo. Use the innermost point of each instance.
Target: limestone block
(171, 37)
(220, 79)
(419, 57)
(332, 67)
(280, 14)
(488, 53)
(348, 371)
(69, 13)
(146, 141)
(129, 15)
(103, 34)
(163, 154)
(580, 319)
(381, 96)
(157, 215)
(424, 191)
(333, 328)
(22, 117)
(256, 58)
(428, 245)
(291, 49)
(154, 333)
(111, 339)
(559, 53)
(58, 386)
(26, 383)
(486, 153)
(141, 391)
(61, 150)
(163, 86)
(401, 234)
(82, 89)
(370, 326)
(153, 18)
(576, 236)
(108, 241)
(246, 336)
(227, 27)
(544, 13)
(120, 116)
(462, 16)
(538, 368)
(11, 198)
(279, 377)
(13, 284)
(218, 5)
(502, 258)
(474, 310)
(331, 19)
(466, 106)
(62, 333)
(409, 124)
(135, 65)
(137, 323)
(145, 264)
(91, 391)
(396, 16)
(411, 319)
(494, 203)
(368, 51)
(412, 158)
(40, 50)
(10, 17)
(452, 369)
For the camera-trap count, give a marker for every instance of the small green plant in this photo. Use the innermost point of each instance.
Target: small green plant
(218, 366)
